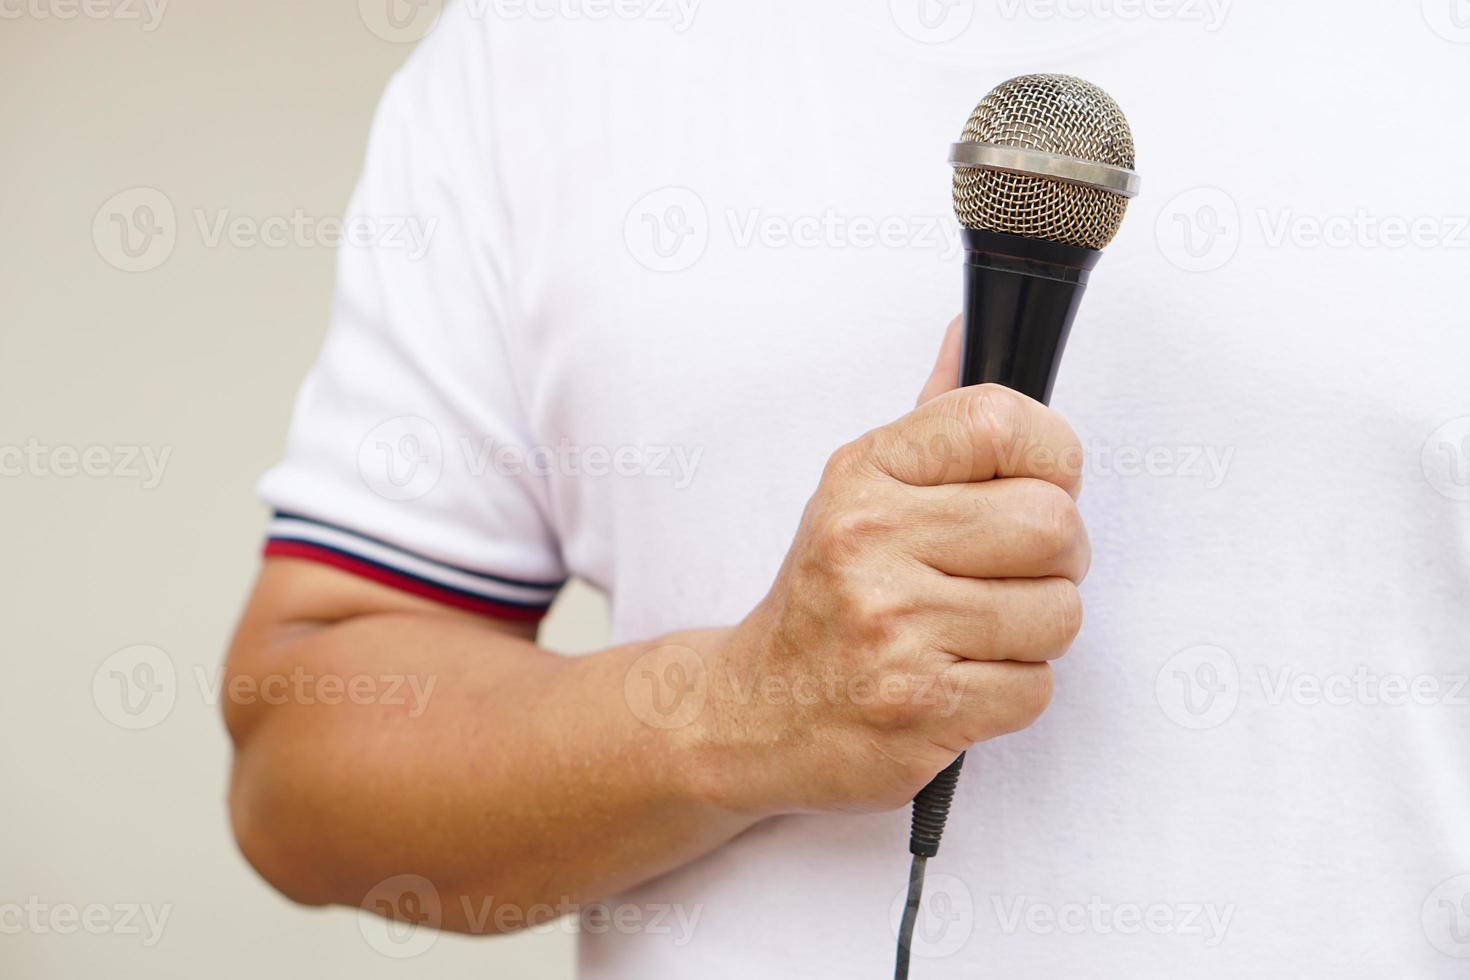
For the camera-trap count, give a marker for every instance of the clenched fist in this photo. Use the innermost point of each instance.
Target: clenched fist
(933, 577)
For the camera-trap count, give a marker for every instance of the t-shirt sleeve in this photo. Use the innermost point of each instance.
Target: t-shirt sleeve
(390, 470)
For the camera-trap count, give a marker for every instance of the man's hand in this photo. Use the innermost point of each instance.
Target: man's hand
(933, 577)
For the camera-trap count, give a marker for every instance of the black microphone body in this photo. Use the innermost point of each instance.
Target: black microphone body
(1021, 296)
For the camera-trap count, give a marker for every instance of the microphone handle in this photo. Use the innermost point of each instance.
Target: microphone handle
(1021, 296)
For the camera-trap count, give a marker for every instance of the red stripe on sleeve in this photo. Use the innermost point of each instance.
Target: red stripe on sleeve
(404, 583)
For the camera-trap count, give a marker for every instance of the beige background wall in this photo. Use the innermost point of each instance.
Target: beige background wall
(112, 773)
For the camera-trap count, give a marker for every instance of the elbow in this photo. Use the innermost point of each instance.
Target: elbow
(265, 836)
(264, 820)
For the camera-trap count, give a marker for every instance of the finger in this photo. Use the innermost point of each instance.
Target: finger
(992, 699)
(1024, 619)
(1013, 528)
(978, 433)
(946, 373)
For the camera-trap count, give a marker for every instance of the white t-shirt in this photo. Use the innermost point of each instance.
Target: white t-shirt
(632, 271)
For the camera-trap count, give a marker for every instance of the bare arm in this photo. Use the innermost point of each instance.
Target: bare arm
(505, 770)
(930, 583)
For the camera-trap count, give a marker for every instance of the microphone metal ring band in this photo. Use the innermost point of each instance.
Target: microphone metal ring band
(1038, 163)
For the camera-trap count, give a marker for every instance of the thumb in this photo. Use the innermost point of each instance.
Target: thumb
(946, 373)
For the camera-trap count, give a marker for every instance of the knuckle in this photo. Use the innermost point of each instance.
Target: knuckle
(1069, 610)
(849, 531)
(845, 461)
(1015, 701)
(877, 621)
(1071, 466)
(998, 413)
(888, 709)
(1073, 457)
(1056, 523)
(1035, 692)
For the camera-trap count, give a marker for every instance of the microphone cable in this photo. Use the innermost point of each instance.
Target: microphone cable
(931, 810)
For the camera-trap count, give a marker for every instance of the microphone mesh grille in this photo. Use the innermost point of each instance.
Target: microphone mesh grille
(1056, 114)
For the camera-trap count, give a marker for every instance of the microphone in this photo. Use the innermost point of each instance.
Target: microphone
(1043, 175)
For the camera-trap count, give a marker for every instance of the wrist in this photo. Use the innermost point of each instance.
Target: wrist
(730, 762)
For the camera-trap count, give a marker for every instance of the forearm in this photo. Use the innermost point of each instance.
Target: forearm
(513, 777)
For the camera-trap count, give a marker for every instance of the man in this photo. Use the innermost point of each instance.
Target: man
(684, 282)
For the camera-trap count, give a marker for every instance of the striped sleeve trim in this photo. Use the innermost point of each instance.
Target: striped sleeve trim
(295, 536)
